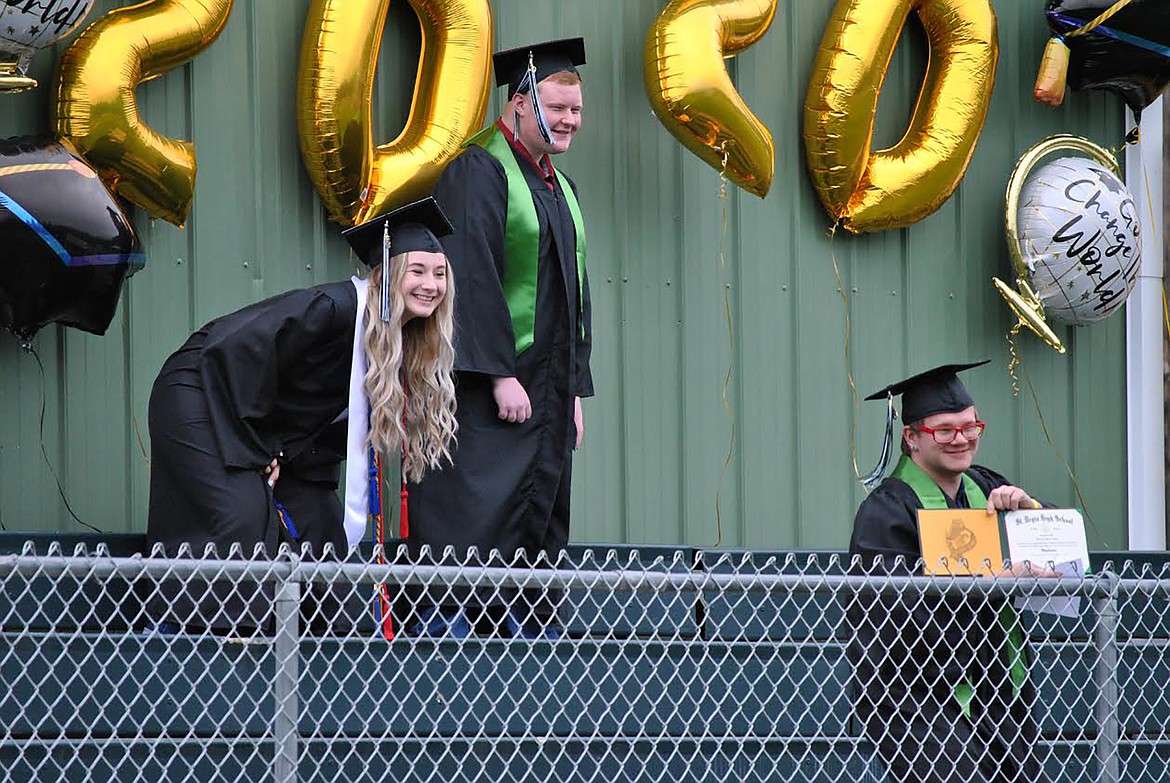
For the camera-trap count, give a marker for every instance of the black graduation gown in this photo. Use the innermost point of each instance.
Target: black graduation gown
(909, 651)
(508, 486)
(268, 381)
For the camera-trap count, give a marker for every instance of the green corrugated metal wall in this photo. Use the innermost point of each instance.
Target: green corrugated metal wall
(659, 433)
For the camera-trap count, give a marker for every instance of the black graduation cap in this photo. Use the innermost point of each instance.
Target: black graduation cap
(934, 391)
(416, 226)
(548, 58)
(937, 390)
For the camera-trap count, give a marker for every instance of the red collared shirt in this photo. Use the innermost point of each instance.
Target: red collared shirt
(544, 165)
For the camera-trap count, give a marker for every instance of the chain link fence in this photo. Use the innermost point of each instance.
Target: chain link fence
(602, 667)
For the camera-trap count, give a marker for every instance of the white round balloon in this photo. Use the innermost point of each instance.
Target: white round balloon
(27, 26)
(1080, 239)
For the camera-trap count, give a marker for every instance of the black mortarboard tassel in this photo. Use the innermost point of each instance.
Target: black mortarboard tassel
(384, 299)
(875, 476)
(416, 226)
(935, 391)
(528, 85)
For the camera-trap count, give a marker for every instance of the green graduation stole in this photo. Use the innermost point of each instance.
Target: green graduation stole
(930, 495)
(522, 240)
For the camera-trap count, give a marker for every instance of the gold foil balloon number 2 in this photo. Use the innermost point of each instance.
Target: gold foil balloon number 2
(693, 95)
(695, 99)
(95, 108)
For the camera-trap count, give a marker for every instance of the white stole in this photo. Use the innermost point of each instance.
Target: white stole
(357, 458)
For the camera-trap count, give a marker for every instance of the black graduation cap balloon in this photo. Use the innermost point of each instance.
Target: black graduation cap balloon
(1128, 52)
(66, 246)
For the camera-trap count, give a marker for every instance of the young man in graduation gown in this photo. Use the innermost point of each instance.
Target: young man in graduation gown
(250, 420)
(522, 337)
(941, 683)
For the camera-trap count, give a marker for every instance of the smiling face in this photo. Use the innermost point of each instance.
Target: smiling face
(562, 108)
(423, 284)
(944, 461)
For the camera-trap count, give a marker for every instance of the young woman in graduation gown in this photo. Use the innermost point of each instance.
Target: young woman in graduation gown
(252, 416)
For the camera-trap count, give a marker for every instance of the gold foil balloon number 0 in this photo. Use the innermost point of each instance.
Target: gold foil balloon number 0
(356, 179)
(892, 188)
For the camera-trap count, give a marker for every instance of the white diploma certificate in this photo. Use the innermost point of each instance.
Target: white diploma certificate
(1052, 538)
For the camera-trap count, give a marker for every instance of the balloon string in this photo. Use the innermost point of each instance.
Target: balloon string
(1102, 17)
(1015, 362)
(730, 347)
(1149, 197)
(141, 441)
(45, 454)
(1059, 455)
(832, 234)
(1165, 314)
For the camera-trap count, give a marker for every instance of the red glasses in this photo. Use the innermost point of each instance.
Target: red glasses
(945, 435)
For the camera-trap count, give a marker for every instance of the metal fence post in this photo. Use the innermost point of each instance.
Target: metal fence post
(1106, 709)
(284, 680)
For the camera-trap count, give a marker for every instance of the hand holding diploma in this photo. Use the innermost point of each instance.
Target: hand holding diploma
(1009, 498)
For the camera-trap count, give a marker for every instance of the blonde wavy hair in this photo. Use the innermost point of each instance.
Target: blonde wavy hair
(409, 381)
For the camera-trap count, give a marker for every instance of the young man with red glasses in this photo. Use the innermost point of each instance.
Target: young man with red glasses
(940, 681)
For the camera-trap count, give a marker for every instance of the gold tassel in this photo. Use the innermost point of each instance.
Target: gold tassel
(1050, 81)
